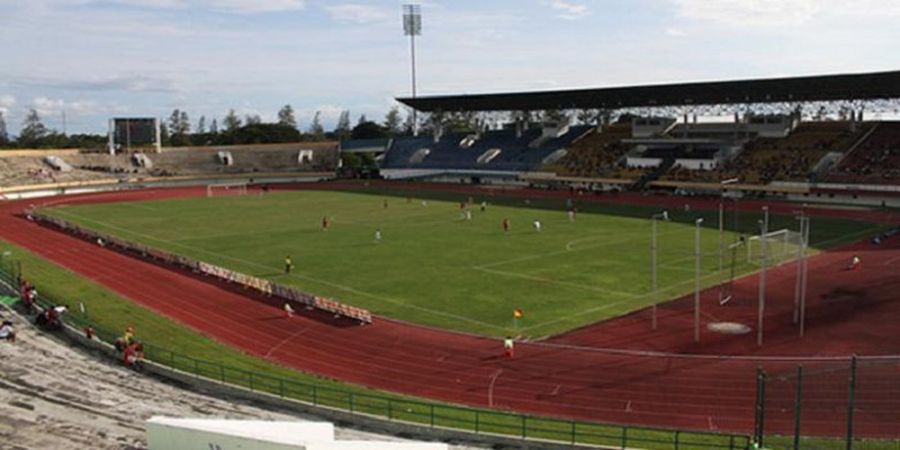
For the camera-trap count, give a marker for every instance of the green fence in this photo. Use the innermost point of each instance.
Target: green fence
(429, 414)
(795, 403)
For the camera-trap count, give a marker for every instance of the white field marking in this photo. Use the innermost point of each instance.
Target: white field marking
(139, 205)
(671, 286)
(299, 229)
(561, 283)
(491, 387)
(284, 341)
(600, 308)
(890, 261)
(299, 276)
(556, 252)
(316, 225)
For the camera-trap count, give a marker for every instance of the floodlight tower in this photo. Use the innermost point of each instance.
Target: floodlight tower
(412, 27)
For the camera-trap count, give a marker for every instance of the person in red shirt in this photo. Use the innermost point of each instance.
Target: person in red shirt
(133, 356)
(506, 225)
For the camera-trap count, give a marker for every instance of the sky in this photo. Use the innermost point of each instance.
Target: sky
(96, 59)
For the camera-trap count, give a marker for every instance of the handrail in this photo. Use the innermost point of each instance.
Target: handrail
(419, 412)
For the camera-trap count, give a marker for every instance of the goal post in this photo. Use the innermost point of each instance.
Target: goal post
(783, 245)
(222, 189)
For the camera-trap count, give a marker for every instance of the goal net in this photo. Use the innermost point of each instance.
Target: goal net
(777, 246)
(223, 189)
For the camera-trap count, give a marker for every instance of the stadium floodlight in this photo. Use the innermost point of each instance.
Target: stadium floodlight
(412, 27)
(697, 255)
(664, 216)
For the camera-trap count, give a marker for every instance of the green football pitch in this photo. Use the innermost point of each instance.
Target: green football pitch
(433, 266)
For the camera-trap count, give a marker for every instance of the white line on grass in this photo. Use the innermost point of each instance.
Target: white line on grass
(560, 252)
(551, 281)
(299, 276)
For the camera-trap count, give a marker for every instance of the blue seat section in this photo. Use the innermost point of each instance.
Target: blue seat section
(516, 153)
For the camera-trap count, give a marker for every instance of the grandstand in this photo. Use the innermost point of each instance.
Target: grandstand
(595, 155)
(31, 167)
(875, 160)
(505, 150)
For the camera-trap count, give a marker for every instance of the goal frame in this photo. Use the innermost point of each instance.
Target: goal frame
(786, 238)
(235, 188)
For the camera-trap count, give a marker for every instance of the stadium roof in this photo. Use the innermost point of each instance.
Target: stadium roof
(864, 86)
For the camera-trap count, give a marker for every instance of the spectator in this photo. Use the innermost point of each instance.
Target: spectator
(133, 356)
(7, 333)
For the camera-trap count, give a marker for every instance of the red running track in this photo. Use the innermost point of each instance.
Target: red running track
(574, 375)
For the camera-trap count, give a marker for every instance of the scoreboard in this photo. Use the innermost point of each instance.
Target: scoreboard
(130, 134)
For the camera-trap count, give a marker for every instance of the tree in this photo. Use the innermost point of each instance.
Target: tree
(214, 126)
(392, 122)
(4, 135)
(362, 119)
(33, 130)
(252, 119)
(264, 133)
(201, 125)
(175, 121)
(368, 130)
(286, 116)
(179, 127)
(409, 123)
(315, 128)
(232, 121)
(342, 130)
(184, 123)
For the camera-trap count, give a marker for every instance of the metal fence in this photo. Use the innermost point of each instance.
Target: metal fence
(429, 414)
(796, 403)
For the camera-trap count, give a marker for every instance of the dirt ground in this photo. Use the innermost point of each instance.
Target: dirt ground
(55, 397)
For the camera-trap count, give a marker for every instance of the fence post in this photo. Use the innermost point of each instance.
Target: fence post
(573, 432)
(851, 402)
(797, 405)
(624, 438)
(524, 426)
(677, 438)
(760, 406)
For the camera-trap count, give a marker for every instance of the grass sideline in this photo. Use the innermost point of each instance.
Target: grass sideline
(435, 268)
(107, 310)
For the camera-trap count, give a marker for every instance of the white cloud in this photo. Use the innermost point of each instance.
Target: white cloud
(675, 32)
(46, 106)
(164, 4)
(750, 13)
(256, 6)
(116, 83)
(356, 13)
(569, 10)
(6, 103)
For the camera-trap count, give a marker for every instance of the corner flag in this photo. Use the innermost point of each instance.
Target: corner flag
(517, 313)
